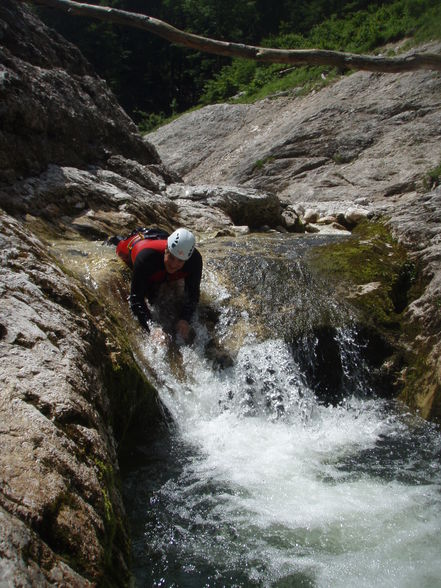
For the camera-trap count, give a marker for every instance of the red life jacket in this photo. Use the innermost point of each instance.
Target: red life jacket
(130, 247)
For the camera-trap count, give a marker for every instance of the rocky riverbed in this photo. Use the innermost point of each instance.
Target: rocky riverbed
(72, 166)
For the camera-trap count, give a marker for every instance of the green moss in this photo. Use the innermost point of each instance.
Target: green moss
(338, 159)
(116, 541)
(432, 179)
(260, 163)
(107, 479)
(111, 521)
(372, 271)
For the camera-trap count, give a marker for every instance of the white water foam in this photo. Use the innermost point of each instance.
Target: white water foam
(257, 430)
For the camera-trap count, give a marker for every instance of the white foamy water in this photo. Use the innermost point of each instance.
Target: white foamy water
(276, 489)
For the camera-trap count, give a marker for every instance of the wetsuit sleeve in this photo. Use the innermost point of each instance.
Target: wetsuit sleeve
(192, 288)
(147, 263)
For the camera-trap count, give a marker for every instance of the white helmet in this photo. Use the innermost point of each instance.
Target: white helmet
(181, 244)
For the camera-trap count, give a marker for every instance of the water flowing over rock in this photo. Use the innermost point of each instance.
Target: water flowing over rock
(72, 166)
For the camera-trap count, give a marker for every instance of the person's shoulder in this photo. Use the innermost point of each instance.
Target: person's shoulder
(195, 261)
(148, 255)
(197, 257)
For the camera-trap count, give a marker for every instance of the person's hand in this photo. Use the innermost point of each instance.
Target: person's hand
(158, 336)
(183, 329)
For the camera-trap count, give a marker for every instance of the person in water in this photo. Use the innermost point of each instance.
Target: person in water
(155, 259)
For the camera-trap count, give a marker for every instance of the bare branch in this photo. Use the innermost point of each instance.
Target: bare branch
(290, 56)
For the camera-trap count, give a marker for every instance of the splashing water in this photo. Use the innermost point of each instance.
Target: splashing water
(259, 484)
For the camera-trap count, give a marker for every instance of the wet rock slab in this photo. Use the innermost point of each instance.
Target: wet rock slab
(54, 430)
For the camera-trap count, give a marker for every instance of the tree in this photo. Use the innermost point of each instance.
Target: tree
(337, 59)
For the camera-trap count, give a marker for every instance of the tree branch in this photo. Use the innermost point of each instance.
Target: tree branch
(289, 56)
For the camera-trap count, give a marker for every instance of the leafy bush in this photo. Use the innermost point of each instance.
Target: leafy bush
(148, 122)
(357, 32)
(229, 81)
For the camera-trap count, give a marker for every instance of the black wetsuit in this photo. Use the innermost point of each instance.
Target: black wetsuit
(149, 272)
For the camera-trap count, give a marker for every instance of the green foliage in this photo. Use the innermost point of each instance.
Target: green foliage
(148, 122)
(229, 81)
(433, 178)
(266, 80)
(260, 163)
(154, 80)
(367, 29)
(358, 32)
(372, 256)
(429, 24)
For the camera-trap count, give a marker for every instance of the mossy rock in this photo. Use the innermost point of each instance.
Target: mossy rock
(374, 275)
(127, 403)
(372, 271)
(421, 386)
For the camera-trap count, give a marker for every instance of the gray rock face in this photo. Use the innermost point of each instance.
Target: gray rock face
(56, 442)
(70, 154)
(95, 202)
(98, 202)
(27, 561)
(207, 207)
(72, 163)
(64, 142)
(198, 137)
(368, 137)
(53, 108)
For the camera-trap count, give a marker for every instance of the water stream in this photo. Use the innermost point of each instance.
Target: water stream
(317, 496)
(254, 479)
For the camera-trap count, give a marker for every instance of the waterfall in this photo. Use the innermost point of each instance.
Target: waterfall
(261, 480)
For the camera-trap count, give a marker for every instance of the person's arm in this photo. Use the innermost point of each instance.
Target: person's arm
(192, 288)
(147, 262)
